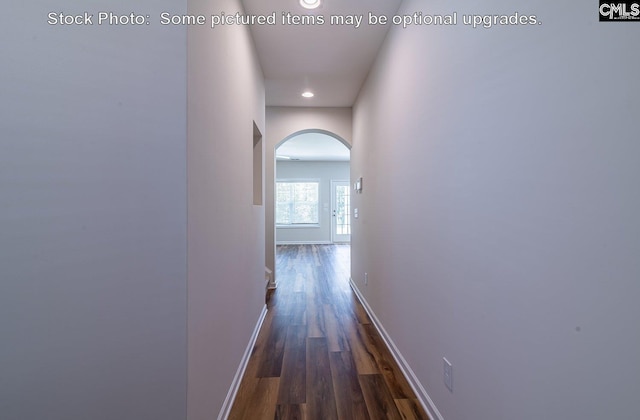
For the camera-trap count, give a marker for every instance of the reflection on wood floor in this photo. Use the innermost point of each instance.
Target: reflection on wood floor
(318, 356)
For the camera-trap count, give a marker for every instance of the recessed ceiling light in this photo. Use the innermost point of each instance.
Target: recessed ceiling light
(309, 4)
(308, 94)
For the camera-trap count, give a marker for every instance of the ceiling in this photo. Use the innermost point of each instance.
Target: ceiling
(330, 60)
(313, 147)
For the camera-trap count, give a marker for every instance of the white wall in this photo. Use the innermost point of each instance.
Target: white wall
(499, 217)
(226, 231)
(282, 123)
(92, 216)
(325, 172)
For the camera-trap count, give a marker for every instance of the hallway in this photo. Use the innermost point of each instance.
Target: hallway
(318, 356)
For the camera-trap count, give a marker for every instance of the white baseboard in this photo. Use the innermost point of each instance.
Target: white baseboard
(304, 243)
(421, 393)
(235, 385)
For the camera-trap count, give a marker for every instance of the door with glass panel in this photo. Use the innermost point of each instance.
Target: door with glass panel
(341, 211)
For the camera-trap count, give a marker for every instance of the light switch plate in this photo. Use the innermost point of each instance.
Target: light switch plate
(448, 374)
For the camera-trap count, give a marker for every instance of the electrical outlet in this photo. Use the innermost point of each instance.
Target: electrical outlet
(448, 374)
(366, 279)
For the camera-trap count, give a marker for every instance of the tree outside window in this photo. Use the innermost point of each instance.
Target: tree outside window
(297, 202)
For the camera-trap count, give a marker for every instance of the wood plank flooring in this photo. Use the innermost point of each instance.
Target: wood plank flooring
(318, 356)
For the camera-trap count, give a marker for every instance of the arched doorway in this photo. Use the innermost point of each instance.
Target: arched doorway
(312, 194)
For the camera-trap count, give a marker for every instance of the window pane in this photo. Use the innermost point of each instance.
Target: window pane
(283, 215)
(297, 203)
(305, 213)
(343, 210)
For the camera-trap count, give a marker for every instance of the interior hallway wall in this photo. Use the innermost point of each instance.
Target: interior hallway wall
(499, 216)
(226, 231)
(282, 123)
(92, 215)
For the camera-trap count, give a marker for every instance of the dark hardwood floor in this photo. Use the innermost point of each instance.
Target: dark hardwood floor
(318, 356)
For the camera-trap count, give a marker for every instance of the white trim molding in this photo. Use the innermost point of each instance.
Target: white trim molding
(303, 243)
(300, 226)
(421, 393)
(235, 385)
(270, 278)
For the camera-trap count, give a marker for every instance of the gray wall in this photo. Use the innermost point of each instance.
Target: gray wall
(226, 231)
(325, 172)
(93, 252)
(499, 217)
(92, 216)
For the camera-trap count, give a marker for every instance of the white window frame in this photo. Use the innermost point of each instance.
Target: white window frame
(297, 225)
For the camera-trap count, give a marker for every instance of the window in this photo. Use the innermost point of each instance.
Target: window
(297, 202)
